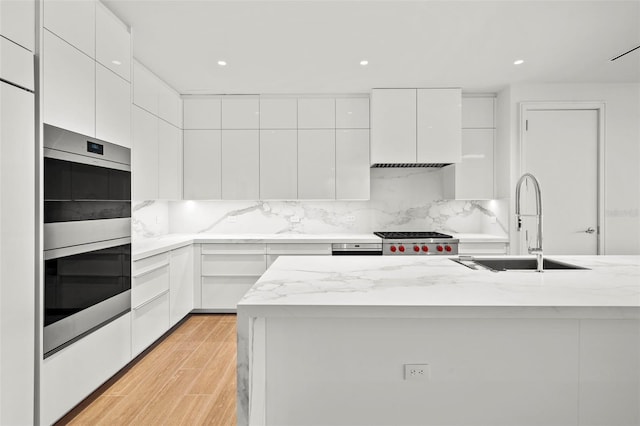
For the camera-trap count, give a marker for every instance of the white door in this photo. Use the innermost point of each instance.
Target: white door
(560, 148)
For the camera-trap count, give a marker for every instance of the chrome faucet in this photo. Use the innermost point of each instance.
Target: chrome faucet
(536, 187)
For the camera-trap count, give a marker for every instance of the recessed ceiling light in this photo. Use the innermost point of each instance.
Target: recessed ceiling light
(364, 62)
(222, 63)
(518, 62)
(116, 62)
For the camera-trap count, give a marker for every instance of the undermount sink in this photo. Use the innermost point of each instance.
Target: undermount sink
(512, 264)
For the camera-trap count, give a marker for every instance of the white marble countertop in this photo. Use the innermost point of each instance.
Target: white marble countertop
(437, 282)
(150, 246)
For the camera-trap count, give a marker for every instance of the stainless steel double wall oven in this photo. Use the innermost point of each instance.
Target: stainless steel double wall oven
(87, 235)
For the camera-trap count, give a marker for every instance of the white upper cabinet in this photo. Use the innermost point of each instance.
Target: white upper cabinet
(73, 21)
(316, 164)
(352, 164)
(241, 164)
(472, 179)
(202, 165)
(18, 22)
(16, 64)
(113, 107)
(169, 105)
(478, 112)
(352, 113)
(113, 42)
(438, 119)
(145, 88)
(240, 112)
(316, 113)
(393, 126)
(169, 161)
(278, 113)
(278, 164)
(415, 126)
(69, 86)
(202, 112)
(144, 161)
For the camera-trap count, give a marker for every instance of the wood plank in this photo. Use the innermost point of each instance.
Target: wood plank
(187, 378)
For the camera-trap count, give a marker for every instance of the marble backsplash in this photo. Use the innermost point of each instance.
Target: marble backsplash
(401, 199)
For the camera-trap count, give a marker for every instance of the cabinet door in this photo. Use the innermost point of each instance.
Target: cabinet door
(169, 105)
(240, 164)
(149, 322)
(352, 113)
(316, 164)
(169, 161)
(352, 164)
(240, 112)
(202, 113)
(478, 113)
(113, 107)
(145, 155)
(181, 291)
(278, 164)
(278, 113)
(439, 112)
(472, 178)
(16, 64)
(113, 42)
(69, 86)
(393, 126)
(316, 113)
(18, 21)
(73, 21)
(145, 88)
(202, 165)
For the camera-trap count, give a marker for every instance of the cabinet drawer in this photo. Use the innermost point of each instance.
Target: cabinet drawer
(225, 292)
(149, 285)
(148, 264)
(150, 321)
(482, 248)
(233, 264)
(297, 249)
(233, 248)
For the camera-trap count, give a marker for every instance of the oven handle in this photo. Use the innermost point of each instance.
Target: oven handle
(85, 248)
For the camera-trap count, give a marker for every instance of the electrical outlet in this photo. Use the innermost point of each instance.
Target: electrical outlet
(350, 218)
(232, 219)
(294, 219)
(416, 372)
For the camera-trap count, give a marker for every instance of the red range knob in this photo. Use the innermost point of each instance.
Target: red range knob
(440, 248)
(447, 248)
(425, 248)
(401, 248)
(416, 248)
(393, 249)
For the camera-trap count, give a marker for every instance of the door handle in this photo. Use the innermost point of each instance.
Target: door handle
(590, 230)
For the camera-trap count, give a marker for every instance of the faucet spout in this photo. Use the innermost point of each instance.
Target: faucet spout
(538, 194)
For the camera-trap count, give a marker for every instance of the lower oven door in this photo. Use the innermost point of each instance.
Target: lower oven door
(84, 290)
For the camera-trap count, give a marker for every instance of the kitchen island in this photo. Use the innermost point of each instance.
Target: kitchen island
(326, 341)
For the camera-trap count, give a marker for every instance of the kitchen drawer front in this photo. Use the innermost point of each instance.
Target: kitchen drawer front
(482, 248)
(272, 257)
(297, 249)
(149, 285)
(150, 321)
(233, 248)
(233, 264)
(225, 292)
(148, 264)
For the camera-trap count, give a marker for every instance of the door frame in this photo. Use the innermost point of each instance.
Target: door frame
(525, 107)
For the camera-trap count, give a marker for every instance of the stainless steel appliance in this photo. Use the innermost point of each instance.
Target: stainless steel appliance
(356, 249)
(418, 243)
(87, 235)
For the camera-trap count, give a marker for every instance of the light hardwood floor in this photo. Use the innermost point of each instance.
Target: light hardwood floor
(188, 378)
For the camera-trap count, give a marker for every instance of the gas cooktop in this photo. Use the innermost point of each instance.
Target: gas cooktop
(417, 243)
(410, 235)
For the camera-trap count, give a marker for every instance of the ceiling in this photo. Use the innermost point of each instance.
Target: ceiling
(306, 46)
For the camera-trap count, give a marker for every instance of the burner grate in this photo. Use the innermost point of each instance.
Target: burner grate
(409, 235)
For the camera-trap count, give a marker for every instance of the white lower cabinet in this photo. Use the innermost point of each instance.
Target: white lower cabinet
(70, 375)
(275, 250)
(227, 272)
(316, 164)
(181, 284)
(483, 248)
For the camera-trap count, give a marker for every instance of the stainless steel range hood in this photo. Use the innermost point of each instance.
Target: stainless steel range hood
(407, 165)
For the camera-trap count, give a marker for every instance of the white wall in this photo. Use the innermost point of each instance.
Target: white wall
(622, 152)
